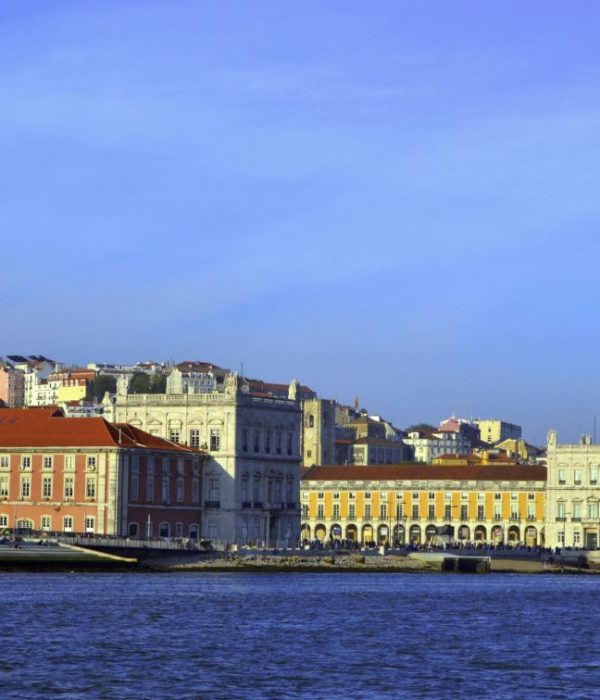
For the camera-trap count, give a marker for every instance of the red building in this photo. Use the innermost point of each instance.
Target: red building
(85, 475)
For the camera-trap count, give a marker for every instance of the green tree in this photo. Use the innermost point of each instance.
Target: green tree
(421, 427)
(101, 384)
(142, 383)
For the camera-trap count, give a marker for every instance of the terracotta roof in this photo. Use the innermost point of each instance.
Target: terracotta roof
(427, 472)
(257, 386)
(47, 427)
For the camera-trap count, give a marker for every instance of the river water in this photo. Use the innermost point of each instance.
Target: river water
(213, 635)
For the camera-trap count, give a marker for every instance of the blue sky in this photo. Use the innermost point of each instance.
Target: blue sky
(393, 200)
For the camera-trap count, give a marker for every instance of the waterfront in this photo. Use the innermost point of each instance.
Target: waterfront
(219, 635)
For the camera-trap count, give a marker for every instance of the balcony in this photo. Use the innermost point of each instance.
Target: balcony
(246, 504)
(514, 518)
(561, 519)
(576, 519)
(212, 504)
(531, 518)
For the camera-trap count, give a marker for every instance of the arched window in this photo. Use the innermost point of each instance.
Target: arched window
(311, 421)
(164, 530)
(133, 529)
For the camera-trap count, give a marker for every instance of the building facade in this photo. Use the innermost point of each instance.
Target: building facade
(427, 446)
(573, 494)
(408, 503)
(318, 431)
(70, 475)
(12, 385)
(492, 431)
(252, 469)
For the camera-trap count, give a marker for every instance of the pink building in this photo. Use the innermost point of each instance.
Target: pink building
(11, 386)
(75, 475)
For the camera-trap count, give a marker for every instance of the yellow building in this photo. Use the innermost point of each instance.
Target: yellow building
(492, 431)
(76, 392)
(419, 503)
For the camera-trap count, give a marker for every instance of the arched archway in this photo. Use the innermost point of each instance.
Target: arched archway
(305, 532)
(430, 533)
(415, 534)
(164, 530)
(531, 537)
(24, 524)
(480, 533)
(464, 533)
(336, 532)
(514, 534)
(133, 529)
(351, 533)
(399, 534)
(320, 532)
(497, 534)
(383, 534)
(367, 534)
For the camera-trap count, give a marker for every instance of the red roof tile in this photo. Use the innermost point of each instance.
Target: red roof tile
(47, 427)
(427, 472)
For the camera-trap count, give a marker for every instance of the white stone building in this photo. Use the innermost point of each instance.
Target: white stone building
(428, 446)
(252, 475)
(573, 493)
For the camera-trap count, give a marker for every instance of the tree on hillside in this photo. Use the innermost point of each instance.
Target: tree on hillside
(421, 427)
(101, 384)
(142, 383)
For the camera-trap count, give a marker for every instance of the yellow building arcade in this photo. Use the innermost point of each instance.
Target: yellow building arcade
(423, 503)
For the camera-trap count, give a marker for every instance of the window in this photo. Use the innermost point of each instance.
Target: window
(25, 462)
(67, 524)
(278, 443)
(531, 511)
(135, 487)
(150, 490)
(181, 467)
(415, 511)
(561, 538)
(562, 477)
(593, 476)
(25, 487)
(69, 487)
(174, 436)
(383, 511)
(320, 495)
(576, 510)
(47, 462)
(179, 489)
(463, 512)
(415, 495)
(165, 465)
(431, 511)
(289, 443)
(367, 511)
(431, 495)
(4, 486)
(399, 510)
(320, 510)
(383, 496)
(304, 510)
(577, 476)
(593, 510)
(336, 510)
(560, 509)
(195, 490)
(513, 496)
(89, 523)
(480, 496)
(352, 511)
(214, 488)
(213, 529)
(576, 538)
(3, 520)
(5, 462)
(150, 465)
(531, 496)
(367, 495)
(215, 440)
(257, 441)
(480, 513)
(447, 511)
(46, 523)
(245, 440)
(497, 511)
(497, 496)
(336, 496)
(164, 494)
(91, 463)
(47, 487)
(268, 441)
(90, 487)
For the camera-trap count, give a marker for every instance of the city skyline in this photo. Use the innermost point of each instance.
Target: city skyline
(398, 204)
